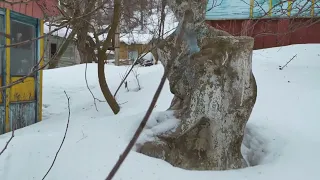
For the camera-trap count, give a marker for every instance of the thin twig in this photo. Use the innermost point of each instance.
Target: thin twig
(83, 137)
(281, 68)
(139, 130)
(94, 98)
(136, 75)
(33, 39)
(8, 142)
(134, 64)
(64, 137)
(34, 70)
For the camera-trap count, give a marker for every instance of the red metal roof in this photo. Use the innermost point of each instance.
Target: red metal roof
(34, 8)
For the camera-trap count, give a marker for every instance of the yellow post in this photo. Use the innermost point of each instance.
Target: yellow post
(289, 7)
(41, 72)
(270, 8)
(251, 8)
(8, 42)
(312, 8)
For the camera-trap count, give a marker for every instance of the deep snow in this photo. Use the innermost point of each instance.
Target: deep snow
(282, 136)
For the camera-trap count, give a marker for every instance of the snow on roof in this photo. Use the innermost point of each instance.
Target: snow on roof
(107, 52)
(63, 32)
(136, 36)
(102, 37)
(150, 28)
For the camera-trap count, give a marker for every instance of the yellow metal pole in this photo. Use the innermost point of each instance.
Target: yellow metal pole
(270, 8)
(289, 7)
(251, 8)
(41, 72)
(312, 8)
(8, 74)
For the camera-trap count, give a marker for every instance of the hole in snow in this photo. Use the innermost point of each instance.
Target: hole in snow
(254, 146)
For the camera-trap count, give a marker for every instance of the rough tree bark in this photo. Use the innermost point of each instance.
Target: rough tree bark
(82, 41)
(214, 91)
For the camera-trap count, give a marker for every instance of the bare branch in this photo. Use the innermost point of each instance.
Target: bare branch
(64, 137)
(139, 130)
(93, 96)
(8, 142)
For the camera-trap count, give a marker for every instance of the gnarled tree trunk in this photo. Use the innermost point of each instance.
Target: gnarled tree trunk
(214, 91)
(101, 57)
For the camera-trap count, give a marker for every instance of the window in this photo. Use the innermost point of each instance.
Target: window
(53, 49)
(133, 55)
(23, 56)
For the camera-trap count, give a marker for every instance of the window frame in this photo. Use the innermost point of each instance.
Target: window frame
(29, 21)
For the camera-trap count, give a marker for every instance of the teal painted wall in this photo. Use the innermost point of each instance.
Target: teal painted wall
(228, 9)
(240, 9)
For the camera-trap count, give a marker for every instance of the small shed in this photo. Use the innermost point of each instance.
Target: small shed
(272, 23)
(52, 44)
(21, 100)
(132, 51)
(137, 42)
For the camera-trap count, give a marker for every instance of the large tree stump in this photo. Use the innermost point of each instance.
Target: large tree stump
(214, 90)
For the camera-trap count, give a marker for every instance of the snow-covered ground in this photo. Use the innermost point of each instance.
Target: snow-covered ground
(282, 136)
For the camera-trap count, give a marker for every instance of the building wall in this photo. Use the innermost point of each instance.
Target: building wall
(273, 32)
(245, 9)
(33, 8)
(70, 56)
(124, 49)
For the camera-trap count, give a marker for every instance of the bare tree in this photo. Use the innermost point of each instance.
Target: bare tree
(209, 72)
(214, 92)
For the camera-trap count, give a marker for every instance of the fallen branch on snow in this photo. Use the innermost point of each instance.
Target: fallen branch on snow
(8, 142)
(281, 68)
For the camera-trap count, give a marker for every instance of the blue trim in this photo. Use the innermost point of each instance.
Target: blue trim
(23, 18)
(34, 27)
(27, 20)
(2, 11)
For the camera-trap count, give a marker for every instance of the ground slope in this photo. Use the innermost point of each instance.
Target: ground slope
(282, 135)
